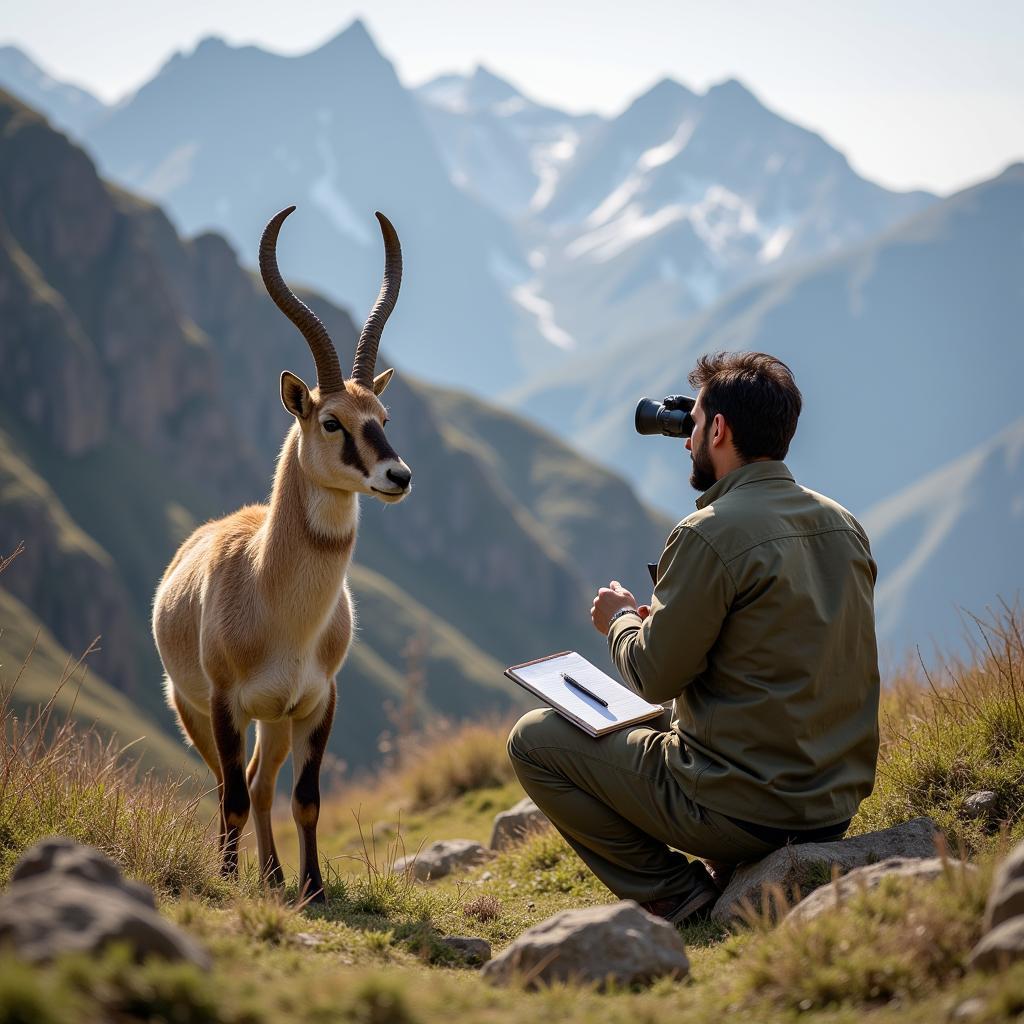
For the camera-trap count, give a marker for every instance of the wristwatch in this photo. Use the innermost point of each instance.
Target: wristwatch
(620, 613)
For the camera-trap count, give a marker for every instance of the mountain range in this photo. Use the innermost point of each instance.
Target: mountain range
(140, 396)
(569, 264)
(532, 232)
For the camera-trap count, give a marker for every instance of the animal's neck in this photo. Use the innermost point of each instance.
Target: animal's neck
(309, 531)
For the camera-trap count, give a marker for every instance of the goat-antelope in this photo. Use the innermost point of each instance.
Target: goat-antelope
(253, 617)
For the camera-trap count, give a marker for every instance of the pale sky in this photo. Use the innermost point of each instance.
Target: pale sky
(915, 93)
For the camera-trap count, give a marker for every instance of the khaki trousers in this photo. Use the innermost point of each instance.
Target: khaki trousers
(619, 806)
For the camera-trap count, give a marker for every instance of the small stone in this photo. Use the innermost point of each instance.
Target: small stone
(983, 804)
(530, 905)
(472, 950)
(1000, 947)
(794, 869)
(620, 943)
(515, 824)
(307, 939)
(969, 1009)
(442, 858)
(487, 876)
(870, 877)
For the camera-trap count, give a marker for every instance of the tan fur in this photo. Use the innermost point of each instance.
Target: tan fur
(254, 609)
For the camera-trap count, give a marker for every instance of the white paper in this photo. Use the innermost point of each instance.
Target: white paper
(545, 679)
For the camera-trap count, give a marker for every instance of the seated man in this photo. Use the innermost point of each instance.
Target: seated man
(761, 628)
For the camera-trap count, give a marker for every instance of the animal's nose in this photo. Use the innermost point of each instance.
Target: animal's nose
(400, 477)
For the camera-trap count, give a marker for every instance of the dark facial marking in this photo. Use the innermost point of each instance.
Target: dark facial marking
(350, 454)
(373, 435)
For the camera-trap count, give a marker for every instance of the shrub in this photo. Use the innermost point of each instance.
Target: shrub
(450, 763)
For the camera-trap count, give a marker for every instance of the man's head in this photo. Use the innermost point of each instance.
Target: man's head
(746, 411)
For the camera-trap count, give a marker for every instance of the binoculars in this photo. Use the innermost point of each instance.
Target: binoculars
(671, 416)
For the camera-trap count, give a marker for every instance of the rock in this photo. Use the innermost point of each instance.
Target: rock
(66, 857)
(68, 898)
(870, 877)
(984, 805)
(513, 825)
(472, 950)
(999, 947)
(620, 943)
(799, 869)
(1006, 897)
(969, 1009)
(442, 858)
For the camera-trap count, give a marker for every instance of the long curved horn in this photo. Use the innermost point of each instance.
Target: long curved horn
(328, 369)
(369, 337)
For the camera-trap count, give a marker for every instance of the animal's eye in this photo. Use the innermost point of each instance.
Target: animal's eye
(331, 426)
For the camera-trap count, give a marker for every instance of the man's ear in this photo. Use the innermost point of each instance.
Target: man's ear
(718, 427)
(295, 396)
(382, 380)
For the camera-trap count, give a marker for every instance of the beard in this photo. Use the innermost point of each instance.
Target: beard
(702, 475)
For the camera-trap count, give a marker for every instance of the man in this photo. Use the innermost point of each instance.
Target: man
(761, 629)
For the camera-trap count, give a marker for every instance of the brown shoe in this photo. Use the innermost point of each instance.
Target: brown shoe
(682, 910)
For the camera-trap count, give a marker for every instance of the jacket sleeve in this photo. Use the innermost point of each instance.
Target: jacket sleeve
(661, 655)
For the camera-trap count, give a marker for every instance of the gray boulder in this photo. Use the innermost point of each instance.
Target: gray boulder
(75, 860)
(513, 825)
(69, 898)
(793, 871)
(619, 944)
(1000, 947)
(870, 877)
(1006, 897)
(442, 858)
(471, 949)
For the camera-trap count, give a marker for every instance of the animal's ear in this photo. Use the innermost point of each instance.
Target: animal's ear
(295, 396)
(382, 380)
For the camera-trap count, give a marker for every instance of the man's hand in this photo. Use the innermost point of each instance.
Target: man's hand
(607, 602)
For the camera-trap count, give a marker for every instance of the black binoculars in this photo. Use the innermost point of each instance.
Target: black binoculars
(671, 416)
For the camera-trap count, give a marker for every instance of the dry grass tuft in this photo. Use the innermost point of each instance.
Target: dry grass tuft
(57, 778)
(450, 761)
(946, 737)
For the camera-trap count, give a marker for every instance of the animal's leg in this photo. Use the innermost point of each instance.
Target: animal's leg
(197, 728)
(309, 738)
(273, 741)
(229, 735)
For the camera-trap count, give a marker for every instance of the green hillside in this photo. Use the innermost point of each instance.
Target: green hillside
(140, 398)
(32, 667)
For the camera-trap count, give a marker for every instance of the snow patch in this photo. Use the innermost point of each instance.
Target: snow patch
(527, 297)
(625, 231)
(658, 155)
(325, 194)
(511, 106)
(776, 244)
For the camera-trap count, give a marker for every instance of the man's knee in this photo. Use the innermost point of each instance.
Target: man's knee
(532, 730)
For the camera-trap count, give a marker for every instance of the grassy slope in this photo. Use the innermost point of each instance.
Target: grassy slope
(898, 954)
(33, 660)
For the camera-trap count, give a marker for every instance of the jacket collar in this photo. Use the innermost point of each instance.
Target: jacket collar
(753, 472)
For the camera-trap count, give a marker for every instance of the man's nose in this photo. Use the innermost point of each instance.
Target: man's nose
(689, 444)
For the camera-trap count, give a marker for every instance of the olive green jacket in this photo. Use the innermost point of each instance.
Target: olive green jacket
(762, 630)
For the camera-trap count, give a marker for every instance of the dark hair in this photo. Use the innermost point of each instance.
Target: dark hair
(756, 394)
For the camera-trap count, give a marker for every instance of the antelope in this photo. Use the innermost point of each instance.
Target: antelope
(253, 617)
